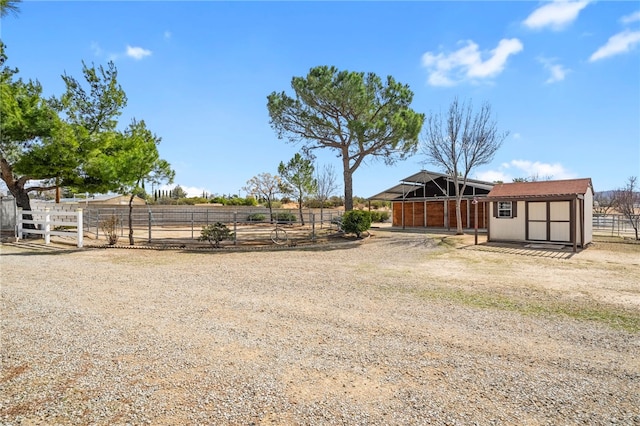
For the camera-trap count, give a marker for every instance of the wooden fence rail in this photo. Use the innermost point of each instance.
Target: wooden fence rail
(65, 224)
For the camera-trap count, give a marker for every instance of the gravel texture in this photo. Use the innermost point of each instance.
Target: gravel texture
(360, 334)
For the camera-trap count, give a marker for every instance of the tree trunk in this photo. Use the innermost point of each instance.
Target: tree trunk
(17, 189)
(458, 206)
(58, 190)
(300, 210)
(348, 183)
(21, 196)
(270, 210)
(131, 242)
(459, 215)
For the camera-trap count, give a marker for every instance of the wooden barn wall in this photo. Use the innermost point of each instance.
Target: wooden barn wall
(414, 214)
(435, 214)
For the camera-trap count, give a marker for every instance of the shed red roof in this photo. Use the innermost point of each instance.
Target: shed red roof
(540, 189)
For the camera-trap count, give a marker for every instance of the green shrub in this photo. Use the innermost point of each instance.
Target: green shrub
(378, 204)
(283, 217)
(356, 222)
(190, 201)
(234, 201)
(379, 215)
(316, 204)
(215, 233)
(336, 201)
(256, 217)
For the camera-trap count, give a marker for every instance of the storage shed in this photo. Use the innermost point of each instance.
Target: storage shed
(427, 199)
(555, 211)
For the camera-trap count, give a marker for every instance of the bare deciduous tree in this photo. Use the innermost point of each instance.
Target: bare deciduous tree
(325, 186)
(265, 186)
(627, 201)
(533, 178)
(602, 202)
(459, 141)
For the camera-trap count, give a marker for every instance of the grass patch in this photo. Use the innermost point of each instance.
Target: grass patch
(610, 315)
(616, 244)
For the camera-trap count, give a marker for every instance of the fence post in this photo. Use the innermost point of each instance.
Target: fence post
(47, 226)
(79, 227)
(19, 223)
(192, 224)
(313, 227)
(149, 227)
(235, 228)
(97, 223)
(15, 226)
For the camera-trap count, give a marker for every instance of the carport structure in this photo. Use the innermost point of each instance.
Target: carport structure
(427, 199)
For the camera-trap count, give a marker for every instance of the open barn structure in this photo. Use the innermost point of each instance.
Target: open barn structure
(427, 200)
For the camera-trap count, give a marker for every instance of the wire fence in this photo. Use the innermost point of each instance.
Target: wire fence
(615, 225)
(179, 224)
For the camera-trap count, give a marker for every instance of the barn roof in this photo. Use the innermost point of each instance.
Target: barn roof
(426, 184)
(541, 189)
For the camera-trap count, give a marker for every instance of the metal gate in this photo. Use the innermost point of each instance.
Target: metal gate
(8, 216)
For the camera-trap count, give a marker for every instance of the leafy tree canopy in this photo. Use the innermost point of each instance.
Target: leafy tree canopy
(298, 179)
(353, 113)
(26, 121)
(8, 7)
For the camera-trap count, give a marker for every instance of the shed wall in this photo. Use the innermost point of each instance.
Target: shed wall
(588, 217)
(545, 221)
(508, 229)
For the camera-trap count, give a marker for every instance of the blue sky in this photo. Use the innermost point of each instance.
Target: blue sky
(562, 77)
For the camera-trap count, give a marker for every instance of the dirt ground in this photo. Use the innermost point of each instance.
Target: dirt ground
(400, 328)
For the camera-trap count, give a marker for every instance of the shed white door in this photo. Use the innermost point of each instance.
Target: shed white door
(560, 221)
(549, 221)
(537, 223)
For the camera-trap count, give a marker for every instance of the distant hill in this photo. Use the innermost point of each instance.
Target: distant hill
(604, 194)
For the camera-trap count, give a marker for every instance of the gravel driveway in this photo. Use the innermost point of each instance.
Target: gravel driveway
(401, 329)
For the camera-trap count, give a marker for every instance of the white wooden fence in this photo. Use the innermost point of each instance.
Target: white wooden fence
(65, 224)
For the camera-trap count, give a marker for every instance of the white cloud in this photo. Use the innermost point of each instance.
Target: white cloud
(556, 15)
(557, 72)
(96, 49)
(617, 44)
(542, 170)
(467, 63)
(493, 176)
(167, 35)
(630, 18)
(506, 172)
(137, 53)
(192, 191)
(517, 136)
